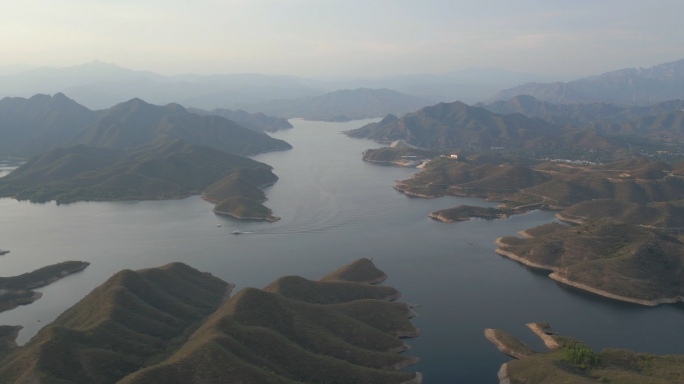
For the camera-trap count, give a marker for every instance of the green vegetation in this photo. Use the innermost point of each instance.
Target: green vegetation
(16, 290)
(131, 320)
(173, 325)
(31, 126)
(168, 170)
(360, 271)
(614, 259)
(465, 212)
(459, 126)
(575, 363)
(396, 156)
(508, 344)
(531, 129)
(244, 208)
(666, 215)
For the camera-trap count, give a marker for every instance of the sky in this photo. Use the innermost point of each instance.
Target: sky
(345, 37)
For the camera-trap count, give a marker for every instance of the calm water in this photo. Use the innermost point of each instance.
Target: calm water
(335, 208)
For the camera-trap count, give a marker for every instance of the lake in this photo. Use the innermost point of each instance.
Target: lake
(335, 208)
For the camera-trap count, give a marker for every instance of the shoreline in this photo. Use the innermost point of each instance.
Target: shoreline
(519, 259)
(270, 219)
(490, 334)
(584, 287)
(567, 219)
(548, 340)
(554, 275)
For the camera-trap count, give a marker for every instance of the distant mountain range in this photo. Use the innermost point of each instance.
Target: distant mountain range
(254, 121)
(579, 114)
(530, 124)
(30, 126)
(99, 85)
(457, 125)
(343, 105)
(641, 86)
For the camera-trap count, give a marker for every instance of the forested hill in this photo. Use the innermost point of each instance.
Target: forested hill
(136, 123)
(457, 125)
(30, 126)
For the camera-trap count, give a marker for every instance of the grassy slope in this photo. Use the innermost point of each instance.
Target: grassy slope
(621, 259)
(135, 123)
(150, 319)
(171, 169)
(130, 320)
(609, 366)
(456, 125)
(265, 337)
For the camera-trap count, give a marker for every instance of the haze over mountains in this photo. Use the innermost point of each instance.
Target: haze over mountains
(630, 86)
(99, 85)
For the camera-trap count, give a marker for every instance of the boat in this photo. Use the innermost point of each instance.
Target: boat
(236, 232)
(218, 225)
(3, 252)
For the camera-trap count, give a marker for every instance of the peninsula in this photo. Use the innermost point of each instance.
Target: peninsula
(573, 362)
(17, 290)
(606, 257)
(174, 324)
(171, 169)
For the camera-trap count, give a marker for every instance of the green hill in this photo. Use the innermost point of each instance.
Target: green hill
(128, 322)
(173, 325)
(245, 209)
(135, 123)
(573, 362)
(457, 125)
(661, 215)
(554, 184)
(30, 126)
(168, 170)
(609, 258)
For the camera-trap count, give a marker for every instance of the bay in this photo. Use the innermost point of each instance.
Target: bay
(334, 208)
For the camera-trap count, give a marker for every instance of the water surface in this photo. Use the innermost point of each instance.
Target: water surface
(334, 208)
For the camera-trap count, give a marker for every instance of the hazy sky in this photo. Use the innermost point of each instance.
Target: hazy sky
(346, 37)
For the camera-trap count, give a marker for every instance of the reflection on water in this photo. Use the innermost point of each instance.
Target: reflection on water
(334, 208)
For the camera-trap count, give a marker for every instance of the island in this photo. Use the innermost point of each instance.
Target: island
(465, 212)
(177, 325)
(17, 290)
(573, 362)
(401, 156)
